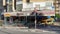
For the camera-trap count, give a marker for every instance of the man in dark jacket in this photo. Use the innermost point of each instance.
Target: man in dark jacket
(34, 12)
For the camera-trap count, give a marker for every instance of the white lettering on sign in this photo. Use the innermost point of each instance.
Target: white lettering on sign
(20, 14)
(47, 13)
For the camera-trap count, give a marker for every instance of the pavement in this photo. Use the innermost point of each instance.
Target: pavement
(23, 30)
(18, 31)
(54, 27)
(47, 28)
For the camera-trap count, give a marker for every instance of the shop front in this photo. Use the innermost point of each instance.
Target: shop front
(26, 19)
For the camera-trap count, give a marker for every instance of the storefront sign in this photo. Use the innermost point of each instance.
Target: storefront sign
(7, 15)
(48, 13)
(18, 14)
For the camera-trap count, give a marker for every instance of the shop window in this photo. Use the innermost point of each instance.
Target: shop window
(9, 1)
(7, 18)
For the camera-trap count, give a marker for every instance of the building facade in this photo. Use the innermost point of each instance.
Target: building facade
(28, 5)
(57, 9)
(19, 11)
(8, 5)
(20, 5)
(40, 4)
(57, 6)
(1, 7)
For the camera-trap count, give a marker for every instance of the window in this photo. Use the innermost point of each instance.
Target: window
(7, 18)
(28, 1)
(15, 4)
(9, 1)
(1, 3)
(28, 7)
(18, 0)
(9, 8)
(48, 4)
(19, 7)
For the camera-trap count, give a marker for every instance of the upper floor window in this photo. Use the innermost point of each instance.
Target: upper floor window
(9, 8)
(48, 4)
(18, 5)
(18, 0)
(9, 0)
(28, 1)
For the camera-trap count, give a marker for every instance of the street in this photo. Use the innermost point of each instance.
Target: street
(12, 31)
(29, 17)
(42, 30)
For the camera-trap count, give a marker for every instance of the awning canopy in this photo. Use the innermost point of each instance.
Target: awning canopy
(28, 13)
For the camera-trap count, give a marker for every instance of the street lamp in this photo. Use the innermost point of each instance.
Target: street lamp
(35, 22)
(35, 10)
